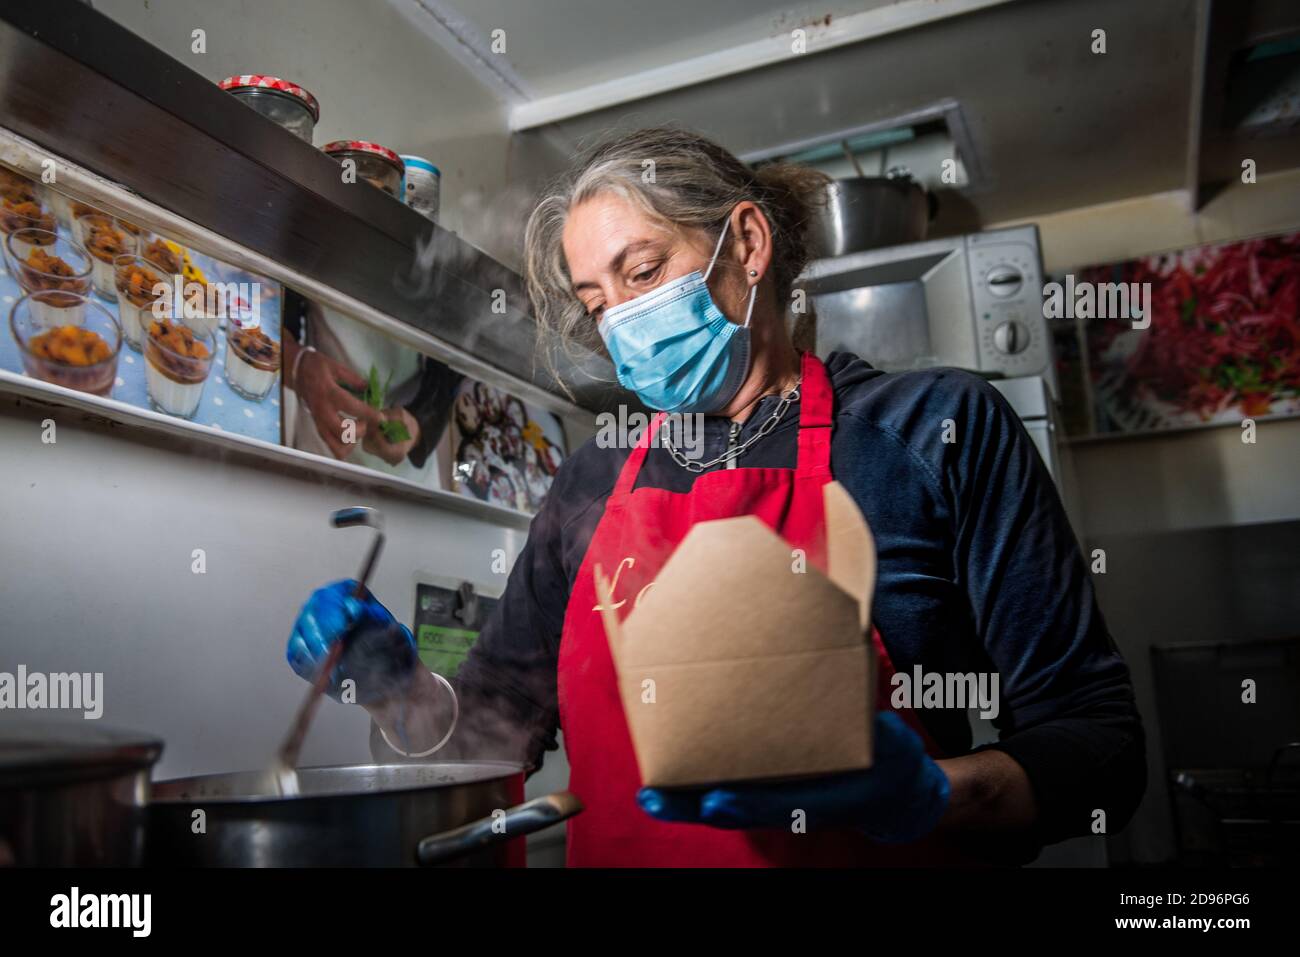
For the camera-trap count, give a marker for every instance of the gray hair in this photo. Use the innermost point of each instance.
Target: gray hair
(695, 183)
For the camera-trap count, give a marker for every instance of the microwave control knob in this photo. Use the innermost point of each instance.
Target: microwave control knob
(1010, 337)
(1004, 280)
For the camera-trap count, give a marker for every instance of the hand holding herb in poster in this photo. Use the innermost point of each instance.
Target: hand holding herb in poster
(374, 395)
(397, 427)
(332, 394)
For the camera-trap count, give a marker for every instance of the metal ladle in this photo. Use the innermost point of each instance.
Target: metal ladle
(286, 760)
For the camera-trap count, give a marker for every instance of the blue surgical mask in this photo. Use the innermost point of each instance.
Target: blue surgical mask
(675, 349)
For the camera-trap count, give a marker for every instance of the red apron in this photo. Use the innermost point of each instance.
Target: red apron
(638, 532)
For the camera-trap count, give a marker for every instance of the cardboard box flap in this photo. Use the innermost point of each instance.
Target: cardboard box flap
(850, 549)
(732, 590)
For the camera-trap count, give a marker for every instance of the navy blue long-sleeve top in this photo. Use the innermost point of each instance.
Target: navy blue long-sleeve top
(978, 571)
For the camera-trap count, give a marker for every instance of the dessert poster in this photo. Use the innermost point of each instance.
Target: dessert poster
(356, 395)
(502, 449)
(90, 323)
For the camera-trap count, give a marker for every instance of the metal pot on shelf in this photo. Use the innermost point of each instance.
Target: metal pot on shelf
(468, 814)
(72, 794)
(870, 212)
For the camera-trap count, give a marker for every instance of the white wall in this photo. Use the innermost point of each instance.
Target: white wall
(1112, 232)
(1204, 478)
(96, 575)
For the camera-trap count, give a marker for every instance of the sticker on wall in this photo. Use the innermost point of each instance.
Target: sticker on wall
(449, 615)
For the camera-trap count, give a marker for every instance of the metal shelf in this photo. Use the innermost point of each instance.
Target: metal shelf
(48, 394)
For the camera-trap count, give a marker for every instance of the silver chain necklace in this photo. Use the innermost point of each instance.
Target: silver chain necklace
(739, 450)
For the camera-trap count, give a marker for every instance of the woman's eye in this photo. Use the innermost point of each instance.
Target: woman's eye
(646, 274)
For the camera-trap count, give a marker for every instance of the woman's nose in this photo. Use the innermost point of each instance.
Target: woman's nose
(616, 297)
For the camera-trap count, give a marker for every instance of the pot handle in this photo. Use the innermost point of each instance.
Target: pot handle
(534, 815)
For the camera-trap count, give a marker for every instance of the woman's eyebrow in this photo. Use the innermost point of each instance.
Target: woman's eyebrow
(616, 263)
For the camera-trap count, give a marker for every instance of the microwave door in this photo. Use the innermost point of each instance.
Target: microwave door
(899, 310)
(950, 313)
(884, 324)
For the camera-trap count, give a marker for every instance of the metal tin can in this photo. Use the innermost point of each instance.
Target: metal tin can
(422, 186)
(278, 100)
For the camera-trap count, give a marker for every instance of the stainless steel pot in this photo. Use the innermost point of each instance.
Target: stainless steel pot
(870, 212)
(400, 815)
(72, 794)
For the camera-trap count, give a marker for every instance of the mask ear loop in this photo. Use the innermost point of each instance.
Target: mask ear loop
(753, 290)
(717, 249)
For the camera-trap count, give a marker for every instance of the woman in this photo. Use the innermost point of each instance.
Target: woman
(681, 259)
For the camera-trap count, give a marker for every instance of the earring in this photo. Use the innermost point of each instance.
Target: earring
(753, 272)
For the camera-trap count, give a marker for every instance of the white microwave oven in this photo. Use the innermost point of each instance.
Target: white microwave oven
(974, 302)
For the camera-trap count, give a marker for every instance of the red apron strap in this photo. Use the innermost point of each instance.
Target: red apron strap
(632, 467)
(816, 403)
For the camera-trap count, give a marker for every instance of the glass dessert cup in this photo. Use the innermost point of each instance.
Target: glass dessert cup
(137, 232)
(158, 253)
(58, 204)
(202, 306)
(70, 340)
(252, 361)
(16, 186)
(105, 240)
(25, 214)
(178, 360)
(143, 295)
(32, 234)
(42, 262)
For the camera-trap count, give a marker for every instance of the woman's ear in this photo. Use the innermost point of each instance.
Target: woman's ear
(752, 241)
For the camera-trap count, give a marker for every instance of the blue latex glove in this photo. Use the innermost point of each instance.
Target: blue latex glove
(381, 655)
(900, 799)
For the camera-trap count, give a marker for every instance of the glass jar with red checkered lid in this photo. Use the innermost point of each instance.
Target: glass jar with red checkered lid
(376, 164)
(278, 100)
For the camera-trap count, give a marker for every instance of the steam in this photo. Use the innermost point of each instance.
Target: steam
(501, 718)
(493, 227)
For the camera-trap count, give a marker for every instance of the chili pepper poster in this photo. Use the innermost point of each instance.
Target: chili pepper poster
(1221, 343)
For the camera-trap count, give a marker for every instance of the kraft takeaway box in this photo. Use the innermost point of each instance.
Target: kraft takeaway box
(740, 665)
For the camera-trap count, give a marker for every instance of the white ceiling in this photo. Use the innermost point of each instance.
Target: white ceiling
(556, 46)
(1054, 125)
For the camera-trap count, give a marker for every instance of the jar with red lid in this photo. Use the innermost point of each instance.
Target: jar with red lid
(376, 164)
(278, 100)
